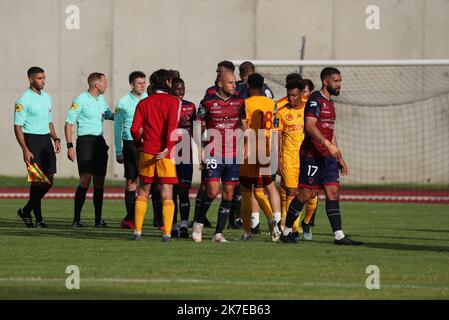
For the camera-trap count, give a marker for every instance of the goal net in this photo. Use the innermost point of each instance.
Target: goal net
(392, 116)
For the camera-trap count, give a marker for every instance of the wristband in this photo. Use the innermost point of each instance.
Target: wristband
(69, 145)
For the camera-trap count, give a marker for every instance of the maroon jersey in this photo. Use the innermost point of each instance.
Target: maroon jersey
(323, 109)
(187, 115)
(223, 115)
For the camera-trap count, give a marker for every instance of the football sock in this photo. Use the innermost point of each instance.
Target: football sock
(277, 216)
(140, 211)
(333, 214)
(207, 202)
(293, 212)
(246, 211)
(37, 208)
(255, 219)
(157, 206)
(175, 202)
(223, 215)
(310, 209)
(199, 204)
(263, 202)
(184, 205)
(80, 197)
(130, 202)
(236, 204)
(98, 203)
(283, 195)
(168, 210)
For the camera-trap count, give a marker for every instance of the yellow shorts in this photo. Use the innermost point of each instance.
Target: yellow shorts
(152, 170)
(251, 174)
(290, 176)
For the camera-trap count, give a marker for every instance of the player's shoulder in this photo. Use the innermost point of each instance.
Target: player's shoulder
(123, 101)
(24, 98)
(187, 103)
(211, 90)
(81, 98)
(315, 96)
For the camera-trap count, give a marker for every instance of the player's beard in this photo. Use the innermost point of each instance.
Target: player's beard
(332, 91)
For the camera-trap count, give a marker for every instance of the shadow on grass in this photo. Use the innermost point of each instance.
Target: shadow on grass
(424, 230)
(63, 229)
(406, 247)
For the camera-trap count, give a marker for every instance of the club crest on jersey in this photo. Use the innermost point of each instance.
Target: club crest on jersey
(18, 108)
(74, 106)
(289, 117)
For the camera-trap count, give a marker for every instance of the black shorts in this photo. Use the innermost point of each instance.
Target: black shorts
(130, 160)
(42, 149)
(92, 155)
(184, 172)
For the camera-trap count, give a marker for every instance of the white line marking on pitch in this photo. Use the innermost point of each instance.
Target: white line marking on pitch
(205, 281)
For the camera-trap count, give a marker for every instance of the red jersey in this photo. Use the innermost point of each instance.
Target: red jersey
(323, 109)
(223, 115)
(158, 115)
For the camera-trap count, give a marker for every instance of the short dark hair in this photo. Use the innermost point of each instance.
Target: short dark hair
(295, 84)
(34, 70)
(247, 66)
(292, 76)
(136, 75)
(227, 64)
(308, 83)
(256, 81)
(328, 72)
(94, 77)
(176, 80)
(158, 80)
(174, 73)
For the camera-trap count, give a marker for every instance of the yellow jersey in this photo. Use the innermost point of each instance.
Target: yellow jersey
(290, 124)
(260, 112)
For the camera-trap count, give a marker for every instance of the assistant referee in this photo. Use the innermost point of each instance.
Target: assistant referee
(34, 131)
(89, 110)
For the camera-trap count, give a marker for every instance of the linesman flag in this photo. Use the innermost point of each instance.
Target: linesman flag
(35, 174)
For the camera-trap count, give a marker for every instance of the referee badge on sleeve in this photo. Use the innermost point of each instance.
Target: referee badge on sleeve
(74, 106)
(18, 107)
(117, 110)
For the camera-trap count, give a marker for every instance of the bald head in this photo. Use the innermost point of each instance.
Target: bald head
(226, 83)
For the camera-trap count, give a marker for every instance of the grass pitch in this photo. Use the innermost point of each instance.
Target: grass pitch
(408, 242)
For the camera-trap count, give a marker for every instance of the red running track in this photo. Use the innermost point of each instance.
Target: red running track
(405, 196)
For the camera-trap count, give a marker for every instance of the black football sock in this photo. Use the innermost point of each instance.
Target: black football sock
(184, 205)
(98, 203)
(157, 206)
(80, 197)
(37, 209)
(236, 205)
(199, 204)
(333, 213)
(293, 212)
(207, 202)
(130, 202)
(175, 201)
(223, 215)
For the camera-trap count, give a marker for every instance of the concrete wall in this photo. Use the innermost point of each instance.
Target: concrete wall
(116, 37)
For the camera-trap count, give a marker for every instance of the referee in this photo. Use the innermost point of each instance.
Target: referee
(89, 110)
(125, 150)
(34, 131)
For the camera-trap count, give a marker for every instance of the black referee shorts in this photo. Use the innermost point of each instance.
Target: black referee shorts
(130, 160)
(92, 155)
(42, 149)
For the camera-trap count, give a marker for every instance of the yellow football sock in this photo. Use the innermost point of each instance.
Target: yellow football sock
(283, 195)
(310, 209)
(263, 202)
(246, 211)
(140, 210)
(168, 212)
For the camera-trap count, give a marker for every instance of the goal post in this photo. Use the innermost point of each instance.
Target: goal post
(392, 116)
